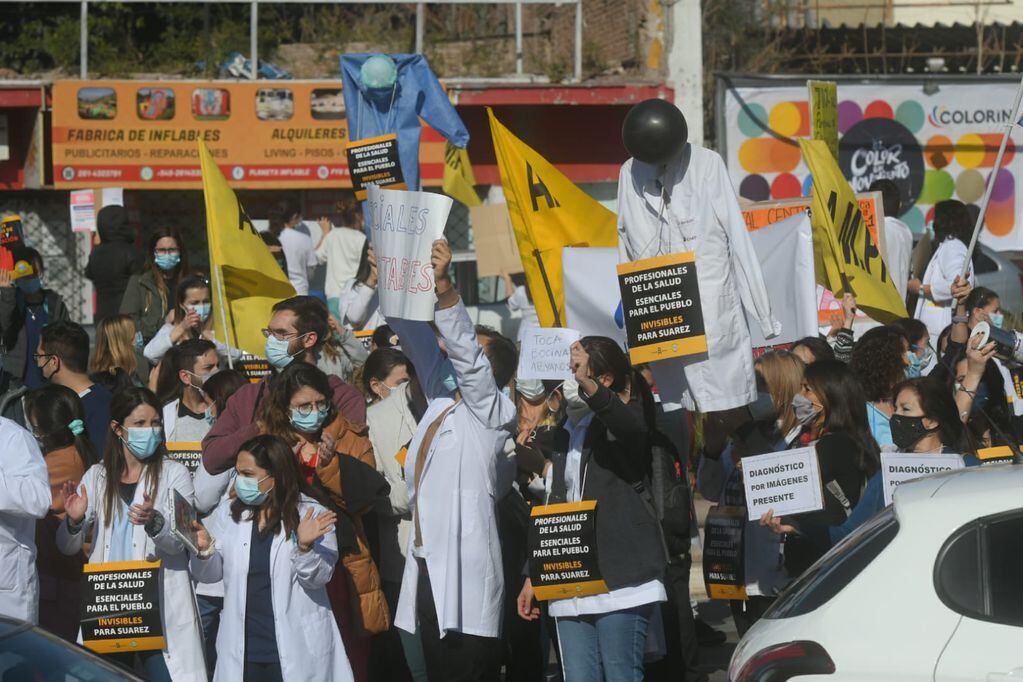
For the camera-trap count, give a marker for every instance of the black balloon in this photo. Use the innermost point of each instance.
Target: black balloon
(654, 131)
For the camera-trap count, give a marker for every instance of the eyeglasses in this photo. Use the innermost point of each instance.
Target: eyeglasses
(307, 409)
(267, 333)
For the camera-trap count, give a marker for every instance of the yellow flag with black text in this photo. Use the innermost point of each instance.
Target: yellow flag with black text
(548, 212)
(459, 180)
(845, 255)
(247, 281)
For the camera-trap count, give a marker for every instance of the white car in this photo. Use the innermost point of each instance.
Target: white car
(931, 588)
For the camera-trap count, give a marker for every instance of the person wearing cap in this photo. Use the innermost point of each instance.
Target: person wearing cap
(113, 261)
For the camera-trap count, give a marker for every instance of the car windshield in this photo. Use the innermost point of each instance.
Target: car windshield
(30, 654)
(837, 568)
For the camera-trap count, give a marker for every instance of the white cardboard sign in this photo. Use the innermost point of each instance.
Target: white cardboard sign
(899, 467)
(787, 482)
(405, 225)
(545, 353)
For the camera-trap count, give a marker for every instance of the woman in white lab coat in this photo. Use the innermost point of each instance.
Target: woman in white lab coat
(689, 205)
(130, 521)
(275, 549)
(24, 497)
(952, 232)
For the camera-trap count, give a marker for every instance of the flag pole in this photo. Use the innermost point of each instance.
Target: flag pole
(547, 285)
(994, 176)
(223, 313)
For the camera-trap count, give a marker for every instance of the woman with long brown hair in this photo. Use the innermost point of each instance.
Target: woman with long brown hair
(117, 361)
(148, 296)
(275, 549)
(191, 319)
(120, 501)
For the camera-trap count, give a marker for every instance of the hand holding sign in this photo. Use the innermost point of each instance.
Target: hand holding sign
(769, 520)
(203, 540)
(6, 268)
(311, 529)
(580, 362)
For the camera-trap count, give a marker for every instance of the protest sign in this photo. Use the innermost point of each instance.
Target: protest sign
(661, 307)
(83, 210)
(121, 607)
(786, 482)
(374, 161)
(496, 249)
(563, 551)
(824, 113)
(998, 453)
(185, 453)
(593, 301)
(899, 467)
(254, 368)
(723, 567)
(785, 253)
(405, 225)
(544, 353)
(11, 231)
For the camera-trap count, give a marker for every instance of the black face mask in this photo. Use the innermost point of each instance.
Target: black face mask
(907, 431)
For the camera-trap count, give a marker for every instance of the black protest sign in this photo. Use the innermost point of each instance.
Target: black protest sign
(563, 551)
(121, 607)
(11, 231)
(661, 304)
(254, 368)
(723, 568)
(186, 453)
(375, 161)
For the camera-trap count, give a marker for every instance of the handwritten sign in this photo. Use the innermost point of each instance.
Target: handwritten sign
(661, 305)
(899, 467)
(723, 566)
(563, 551)
(545, 353)
(374, 162)
(824, 112)
(186, 453)
(405, 225)
(786, 482)
(121, 607)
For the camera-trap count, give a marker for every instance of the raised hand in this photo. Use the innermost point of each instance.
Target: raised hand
(440, 259)
(371, 258)
(76, 501)
(579, 362)
(311, 529)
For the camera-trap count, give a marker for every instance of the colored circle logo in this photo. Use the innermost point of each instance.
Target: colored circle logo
(68, 173)
(882, 149)
(146, 173)
(238, 173)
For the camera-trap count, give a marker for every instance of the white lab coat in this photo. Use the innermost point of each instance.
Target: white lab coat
(392, 425)
(308, 641)
(702, 215)
(24, 497)
(459, 490)
(898, 245)
(946, 264)
(161, 343)
(359, 306)
(184, 651)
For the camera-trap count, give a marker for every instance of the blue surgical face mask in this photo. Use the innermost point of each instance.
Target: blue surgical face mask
(277, 351)
(996, 319)
(143, 441)
(246, 488)
(29, 285)
(915, 367)
(211, 418)
(140, 342)
(308, 423)
(202, 310)
(167, 261)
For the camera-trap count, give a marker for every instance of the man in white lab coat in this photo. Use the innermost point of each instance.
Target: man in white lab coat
(452, 588)
(688, 204)
(24, 497)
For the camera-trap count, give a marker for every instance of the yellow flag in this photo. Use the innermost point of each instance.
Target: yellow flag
(247, 281)
(459, 181)
(548, 213)
(845, 256)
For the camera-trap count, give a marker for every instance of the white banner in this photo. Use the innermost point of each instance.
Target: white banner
(544, 353)
(899, 467)
(787, 482)
(935, 142)
(785, 252)
(405, 225)
(593, 301)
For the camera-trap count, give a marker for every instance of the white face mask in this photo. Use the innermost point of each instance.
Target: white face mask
(575, 406)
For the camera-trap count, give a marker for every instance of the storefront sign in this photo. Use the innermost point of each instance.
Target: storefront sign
(263, 135)
(121, 607)
(786, 482)
(661, 306)
(563, 551)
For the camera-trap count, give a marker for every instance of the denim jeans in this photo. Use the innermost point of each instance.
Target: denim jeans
(605, 646)
(209, 616)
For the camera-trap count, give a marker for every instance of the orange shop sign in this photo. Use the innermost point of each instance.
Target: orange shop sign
(263, 134)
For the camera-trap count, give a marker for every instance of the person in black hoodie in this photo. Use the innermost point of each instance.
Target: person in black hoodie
(603, 636)
(113, 261)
